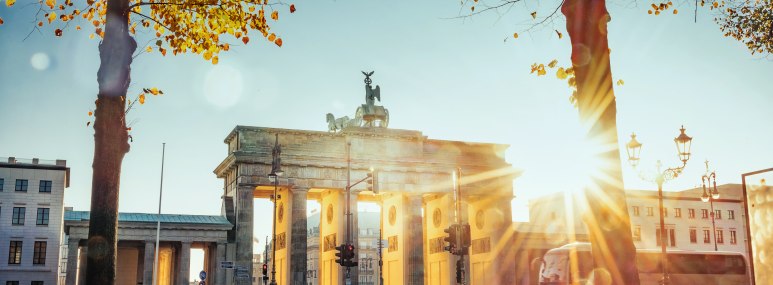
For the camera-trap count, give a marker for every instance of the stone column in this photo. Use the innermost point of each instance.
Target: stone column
(150, 259)
(414, 232)
(184, 263)
(82, 265)
(219, 278)
(72, 262)
(298, 237)
(244, 221)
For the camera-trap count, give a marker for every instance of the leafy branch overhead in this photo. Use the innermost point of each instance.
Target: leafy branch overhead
(563, 73)
(130, 103)
(747, 21)
(204, 27)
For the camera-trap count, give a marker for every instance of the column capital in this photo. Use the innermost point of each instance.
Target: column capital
(299, 189)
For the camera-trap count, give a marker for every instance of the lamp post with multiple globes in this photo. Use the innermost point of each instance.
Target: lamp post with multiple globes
(683, 143)
(709, 195)
(276, 171)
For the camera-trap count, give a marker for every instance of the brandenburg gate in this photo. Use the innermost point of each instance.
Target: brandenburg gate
(415, 192)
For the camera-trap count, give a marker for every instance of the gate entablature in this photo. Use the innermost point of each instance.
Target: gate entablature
(407, 161)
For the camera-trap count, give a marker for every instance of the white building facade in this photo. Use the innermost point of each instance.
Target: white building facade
(688, 220)
(31, 220)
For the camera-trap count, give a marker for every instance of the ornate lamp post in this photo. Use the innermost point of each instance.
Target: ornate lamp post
(276, 171)
(683, 143)
(709, 195)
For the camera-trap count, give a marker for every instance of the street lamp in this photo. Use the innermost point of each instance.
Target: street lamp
(276, 171)
(709, 195)
(683, 143)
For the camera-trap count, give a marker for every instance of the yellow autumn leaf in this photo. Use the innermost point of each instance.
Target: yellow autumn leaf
(252, 9)
(275, 15)
(51, 17)
(561, 73)
(142, 99)
(534, 15)
(90, 113)
(515, 35)
(51, 3)
(553, 63)
(148, 49)
(620, 82)
(9, 3)
(541, 72)
(215, 60)
(560, 35)
(154, 91)
(676, 11)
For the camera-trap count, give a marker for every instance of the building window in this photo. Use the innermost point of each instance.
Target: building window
(45, 186)
(704, 213)
(2, 182)
(693, 236)
(670, 237)
(11, 282)
(39, 255)
(14, 252)
(733, 239)
(637, 233)
(678, 212)
(636, 211)
(42, 219)
(21, 185)
(665, 212)
(720, 236)
(18, 216)
(36, 283)
(691, 213)
(706, 236)
(718, 214)
(650, 211)
(731, 214)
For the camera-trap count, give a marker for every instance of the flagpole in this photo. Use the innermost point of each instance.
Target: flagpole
(158, 218)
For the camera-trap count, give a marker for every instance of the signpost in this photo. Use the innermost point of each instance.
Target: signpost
(203, 275)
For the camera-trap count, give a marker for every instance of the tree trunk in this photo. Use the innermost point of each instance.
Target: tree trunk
(110, 143)
(608, 223)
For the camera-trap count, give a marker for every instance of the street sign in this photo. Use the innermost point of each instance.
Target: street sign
(227, 264)
(203, 275)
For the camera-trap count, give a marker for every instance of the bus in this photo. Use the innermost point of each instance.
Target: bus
(684, 267)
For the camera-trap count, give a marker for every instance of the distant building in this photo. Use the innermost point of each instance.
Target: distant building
(31, 213)
(257, 268)
(368, 235)
(136, 252)
(687, 218)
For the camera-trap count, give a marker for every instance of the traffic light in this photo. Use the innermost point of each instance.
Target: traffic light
(265, 271)
(451, 238)
(465, 242)
(349, 257)
(340, 255)
(373, 181)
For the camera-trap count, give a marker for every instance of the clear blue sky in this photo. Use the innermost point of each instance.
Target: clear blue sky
(451, 79)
